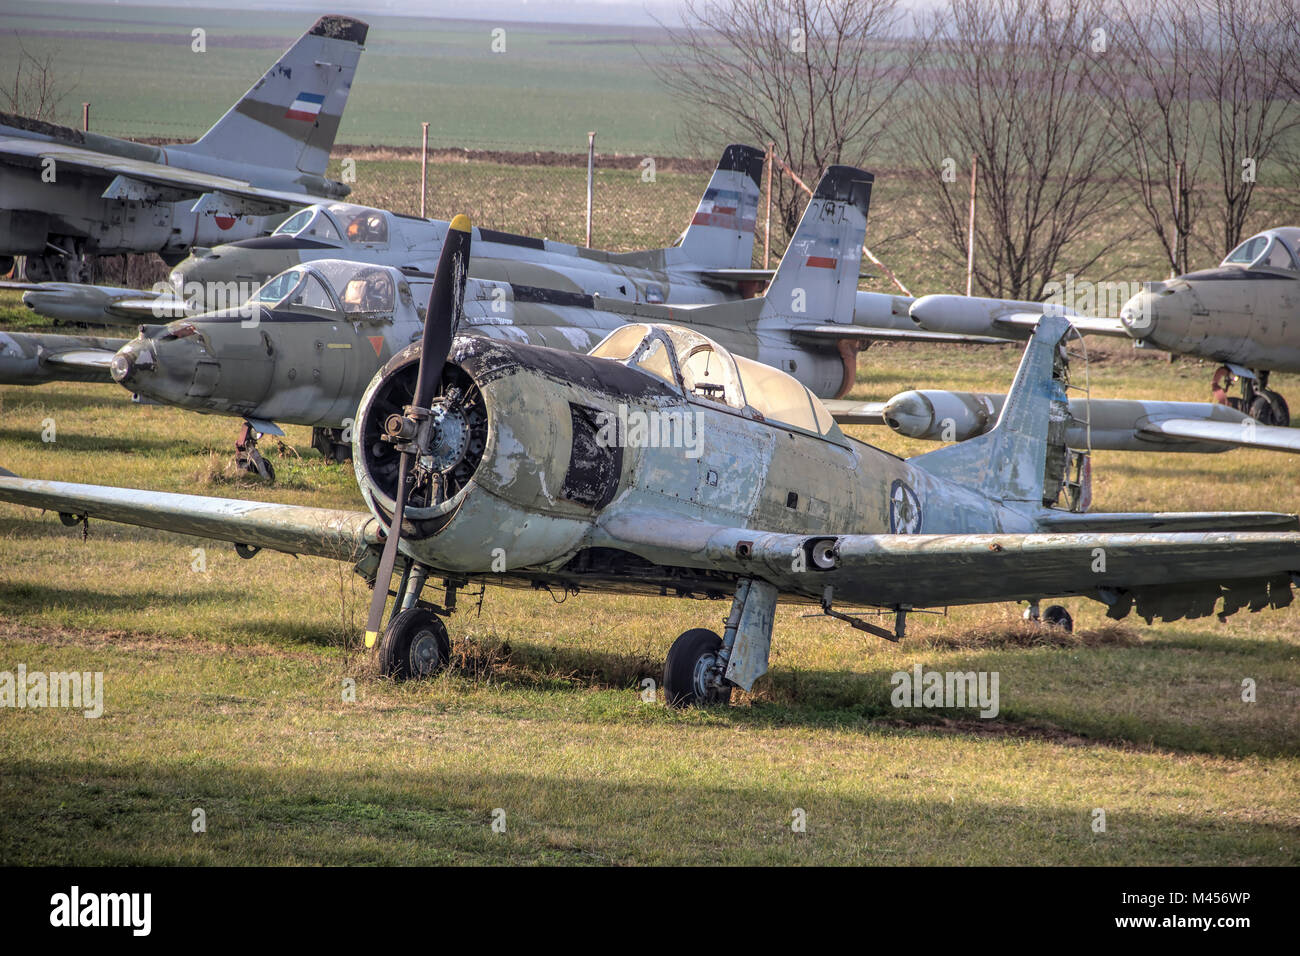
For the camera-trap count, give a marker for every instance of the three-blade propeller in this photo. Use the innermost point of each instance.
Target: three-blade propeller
(411, 431)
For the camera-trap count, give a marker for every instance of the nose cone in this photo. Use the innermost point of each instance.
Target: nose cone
(1139, 313)
(909, 413)
(161, 367)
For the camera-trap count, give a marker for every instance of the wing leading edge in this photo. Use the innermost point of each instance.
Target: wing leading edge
(294, 529)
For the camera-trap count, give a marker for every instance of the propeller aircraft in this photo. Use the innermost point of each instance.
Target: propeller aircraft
(489, 461)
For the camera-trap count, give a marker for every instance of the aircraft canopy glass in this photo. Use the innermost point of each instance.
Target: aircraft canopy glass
(311, 223)
(362, 288)
(706, 370)
(279, 286)
(1264, 251)
(359, 224)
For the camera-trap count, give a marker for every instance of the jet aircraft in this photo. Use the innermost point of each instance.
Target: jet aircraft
(1245, 314)
(487, 461)
(66, 195)
(301, 351)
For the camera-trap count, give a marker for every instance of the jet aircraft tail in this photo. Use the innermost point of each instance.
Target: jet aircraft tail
(817, 279)
(291, 115)
(721, 232)
(1022, 458)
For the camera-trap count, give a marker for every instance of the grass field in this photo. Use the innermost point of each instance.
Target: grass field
(538, 94)
(224, 692)
(225, 686)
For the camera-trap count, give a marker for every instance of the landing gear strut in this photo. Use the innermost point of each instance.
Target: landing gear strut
(329, 442)
(415, 644)
(247, 458)
(1257, 400)
(64, 261)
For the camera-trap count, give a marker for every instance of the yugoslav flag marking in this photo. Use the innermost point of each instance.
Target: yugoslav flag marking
(305, 107)
(821, 262)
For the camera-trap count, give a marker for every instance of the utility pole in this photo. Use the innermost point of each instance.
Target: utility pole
(591, 167)
(424, 165)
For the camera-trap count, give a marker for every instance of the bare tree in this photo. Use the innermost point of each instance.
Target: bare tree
(1242, 68)
(1147, 75)
(815, 77)
(1010, 83)
(36, 90)
(1200, 95)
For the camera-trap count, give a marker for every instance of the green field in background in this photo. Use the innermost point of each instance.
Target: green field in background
(552, 85)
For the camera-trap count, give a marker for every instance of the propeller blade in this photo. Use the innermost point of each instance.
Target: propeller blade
(444, 312)
(440, 324)
(385, 574)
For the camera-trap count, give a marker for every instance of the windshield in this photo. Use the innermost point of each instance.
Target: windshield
(293, 223)
(278, 287)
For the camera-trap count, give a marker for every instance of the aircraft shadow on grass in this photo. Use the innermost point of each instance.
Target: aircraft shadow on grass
(129, 813)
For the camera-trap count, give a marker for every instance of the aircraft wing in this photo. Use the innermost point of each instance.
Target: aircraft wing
(823, 334)
(849, 412)
(34, 358)
(293, 529)
(99, 305)
(134, 179)
(82, 358)
(1171, 575)
(1244, 434)
(1089, 326)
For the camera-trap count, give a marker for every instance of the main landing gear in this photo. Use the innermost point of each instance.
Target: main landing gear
(1054, 615)
(247, 458)
(415, 643)
(1257, 400)
(330, 443)
(694, 669)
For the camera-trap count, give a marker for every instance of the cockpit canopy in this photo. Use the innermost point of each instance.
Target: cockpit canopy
(1273, 249)
(356, 289)
(337, 223)
(703, 369)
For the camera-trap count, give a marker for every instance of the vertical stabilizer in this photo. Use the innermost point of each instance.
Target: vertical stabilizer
(817, 280)
(721, 233)
(1010, 463)
(291, 115)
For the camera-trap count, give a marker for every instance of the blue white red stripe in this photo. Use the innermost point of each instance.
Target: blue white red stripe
(306, 106)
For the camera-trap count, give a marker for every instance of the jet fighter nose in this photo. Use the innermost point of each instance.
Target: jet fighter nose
(131, 358)
(1138, 315)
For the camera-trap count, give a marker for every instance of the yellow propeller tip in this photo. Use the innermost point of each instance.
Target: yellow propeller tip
(461, 223)
(371, 637)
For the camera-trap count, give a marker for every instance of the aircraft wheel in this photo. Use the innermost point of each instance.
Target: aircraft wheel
(415, 645)
(1270, 408)
(687, 671)
(260, 467)
(1057, 616)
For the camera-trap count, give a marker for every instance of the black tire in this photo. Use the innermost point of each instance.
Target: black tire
(687, 659)
(1057, 616)
(415, 645)
(1270, 408)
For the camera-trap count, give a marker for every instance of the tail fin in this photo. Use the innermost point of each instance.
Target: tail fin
(1022, 458)
(817, 280)
(721, 233)
(290, 116)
